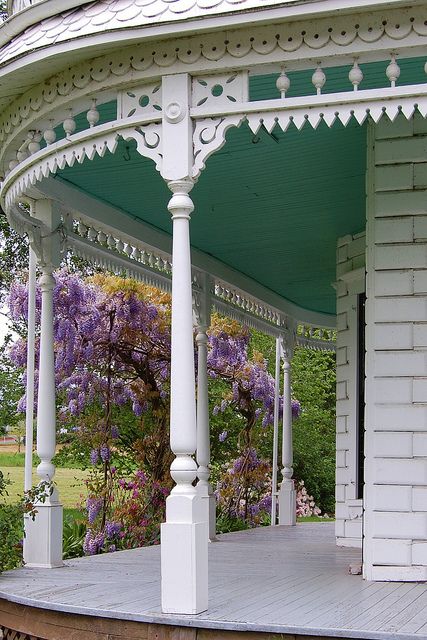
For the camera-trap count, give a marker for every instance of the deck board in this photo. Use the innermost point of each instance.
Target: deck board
(291, 580)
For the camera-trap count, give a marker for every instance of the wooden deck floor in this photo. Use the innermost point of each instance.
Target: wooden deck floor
(279, 580)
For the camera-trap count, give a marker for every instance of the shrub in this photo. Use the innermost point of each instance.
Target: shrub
(11, 530)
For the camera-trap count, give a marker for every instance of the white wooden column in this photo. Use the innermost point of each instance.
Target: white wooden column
(184, 542)
(287, 493)
(204, 487)
(275, 434)
(43, 536)
(29, 412)
(202, 316)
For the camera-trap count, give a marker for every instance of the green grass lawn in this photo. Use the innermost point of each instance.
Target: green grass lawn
(70, 483)
(314, 519)
(15, 459)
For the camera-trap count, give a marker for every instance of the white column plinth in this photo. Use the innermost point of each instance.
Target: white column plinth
(43, 535)
(208, 501)
(185, 556)
(287, 503)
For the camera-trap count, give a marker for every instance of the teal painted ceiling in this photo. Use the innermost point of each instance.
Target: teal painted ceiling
(270, 206)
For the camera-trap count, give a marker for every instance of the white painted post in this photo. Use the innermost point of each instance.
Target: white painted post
(204, 487)
(184, 536)
(29, 412)
(43, 536)
(287, 493)
(275, 435)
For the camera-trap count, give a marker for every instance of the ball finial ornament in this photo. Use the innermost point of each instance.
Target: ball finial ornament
(283, 83)
(393, 71)
(355, 76)
(318, 79)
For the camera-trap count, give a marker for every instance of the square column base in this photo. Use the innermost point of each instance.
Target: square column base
(208, 502)
(287, 503)
(184, 556)
(43, 537)
(212, 518)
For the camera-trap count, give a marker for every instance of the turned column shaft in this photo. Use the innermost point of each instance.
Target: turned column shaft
(275, 435)
(204, 487)
(287, 494)
(29, 412)
(46, 405)
(287, 447)
(184, 536)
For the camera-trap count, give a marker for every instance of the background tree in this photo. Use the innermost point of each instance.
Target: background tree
(11, 390)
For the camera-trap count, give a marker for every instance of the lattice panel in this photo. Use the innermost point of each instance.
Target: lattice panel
(10, 634)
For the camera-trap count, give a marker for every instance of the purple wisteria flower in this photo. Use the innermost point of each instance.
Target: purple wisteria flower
(223, 436)
(94, 456)
(93, 506)
(112, 529)
(105, 453)
(93, 543)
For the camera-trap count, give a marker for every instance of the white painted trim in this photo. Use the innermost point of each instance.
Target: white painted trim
(37, 64)
(20, 21)
(370, 354)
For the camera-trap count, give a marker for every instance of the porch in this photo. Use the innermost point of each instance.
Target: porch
(275, 580)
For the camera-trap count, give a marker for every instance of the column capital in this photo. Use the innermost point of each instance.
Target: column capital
(46, 280)
(185, 185)
(181, 205)
(202, 336)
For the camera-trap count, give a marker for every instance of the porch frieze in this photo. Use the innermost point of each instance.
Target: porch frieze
(333, 40)
(210, 124)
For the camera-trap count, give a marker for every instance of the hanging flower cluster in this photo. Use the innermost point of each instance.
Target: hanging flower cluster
(252, 386)
(100, 323)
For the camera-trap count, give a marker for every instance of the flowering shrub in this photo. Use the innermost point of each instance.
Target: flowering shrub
(244, 489)
(244, 492)
(305, 503)
(251, 386)
(112, 349)
(128, 516)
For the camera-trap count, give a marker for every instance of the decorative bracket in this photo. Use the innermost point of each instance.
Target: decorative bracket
(209, 136)
(216, 92)
(148, 140)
